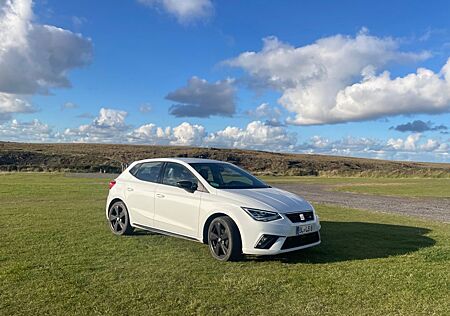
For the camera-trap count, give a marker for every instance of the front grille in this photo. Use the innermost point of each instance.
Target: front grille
(300, 217)
(302, 240)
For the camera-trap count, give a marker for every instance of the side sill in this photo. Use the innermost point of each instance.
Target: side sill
(163, 232)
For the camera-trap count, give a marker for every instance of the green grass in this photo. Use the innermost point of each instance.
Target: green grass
(411, 187)
(58, 257)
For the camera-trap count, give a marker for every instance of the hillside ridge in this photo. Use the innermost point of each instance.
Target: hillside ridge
(76, 157)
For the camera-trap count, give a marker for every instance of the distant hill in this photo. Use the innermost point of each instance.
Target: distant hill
(111, 158)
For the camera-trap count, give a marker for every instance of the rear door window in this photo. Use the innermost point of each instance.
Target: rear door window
(174, 172)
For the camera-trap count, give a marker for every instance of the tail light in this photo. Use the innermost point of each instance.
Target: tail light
(112, 183)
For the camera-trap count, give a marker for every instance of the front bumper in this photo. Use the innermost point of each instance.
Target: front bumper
(287, 239)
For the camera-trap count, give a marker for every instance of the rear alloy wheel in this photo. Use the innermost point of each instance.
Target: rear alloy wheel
(224, 239)
(118, 219)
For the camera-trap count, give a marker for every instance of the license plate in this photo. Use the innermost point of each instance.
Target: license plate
(300, 230)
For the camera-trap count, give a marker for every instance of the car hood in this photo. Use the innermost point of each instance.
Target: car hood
(267, 198)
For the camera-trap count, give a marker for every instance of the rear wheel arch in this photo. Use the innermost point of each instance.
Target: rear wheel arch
(117, 199)
(114, 201)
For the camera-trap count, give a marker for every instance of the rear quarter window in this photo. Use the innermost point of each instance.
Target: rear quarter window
(134, 170)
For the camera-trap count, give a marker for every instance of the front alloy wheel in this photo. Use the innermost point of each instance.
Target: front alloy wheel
(118, 218)
(224, 239)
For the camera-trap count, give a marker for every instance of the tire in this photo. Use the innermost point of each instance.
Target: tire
(224, 239)
(119, 220)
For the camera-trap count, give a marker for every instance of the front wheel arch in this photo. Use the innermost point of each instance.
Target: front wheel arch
(206, 225)
(225, 242)
(210, 219)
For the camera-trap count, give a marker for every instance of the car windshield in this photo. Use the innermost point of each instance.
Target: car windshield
(227, 176)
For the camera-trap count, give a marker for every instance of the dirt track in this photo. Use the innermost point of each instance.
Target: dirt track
(430, 208)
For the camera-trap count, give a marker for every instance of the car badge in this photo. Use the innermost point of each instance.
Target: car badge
(302, 217)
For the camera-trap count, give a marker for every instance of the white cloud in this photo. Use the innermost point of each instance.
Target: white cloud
(334, 79)
(33, 131)
(11, 103)
(34, 58)
(416, 143)
(379, 96)
(110, 118)
(407, 144)
(319, 142)
(430, 145)
(185, 11)
(347, 146)
(150, 134)
(185, 134)
(256, 135)
(108, 127)
(413, 147)
(188, 135)
(200, 98)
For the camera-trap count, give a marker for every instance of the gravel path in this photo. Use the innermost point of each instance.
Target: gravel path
(430, 208)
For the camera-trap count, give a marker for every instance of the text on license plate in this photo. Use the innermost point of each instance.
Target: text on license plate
(304, 229)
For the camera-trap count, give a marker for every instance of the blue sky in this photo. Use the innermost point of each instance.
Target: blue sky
(289, 76)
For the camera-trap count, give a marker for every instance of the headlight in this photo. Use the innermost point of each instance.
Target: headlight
(261, 215)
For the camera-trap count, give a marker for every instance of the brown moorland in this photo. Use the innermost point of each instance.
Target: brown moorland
(111, 158)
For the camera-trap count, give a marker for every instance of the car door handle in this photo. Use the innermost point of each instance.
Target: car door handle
(159, 195)
(130, 189)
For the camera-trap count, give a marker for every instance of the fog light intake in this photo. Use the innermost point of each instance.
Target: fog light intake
(266, 241)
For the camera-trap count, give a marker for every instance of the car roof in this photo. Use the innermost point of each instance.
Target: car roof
(182, 159)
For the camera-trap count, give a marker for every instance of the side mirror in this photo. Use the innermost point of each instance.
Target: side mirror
(187, 185)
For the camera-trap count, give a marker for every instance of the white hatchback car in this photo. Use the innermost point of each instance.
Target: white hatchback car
(212, 202)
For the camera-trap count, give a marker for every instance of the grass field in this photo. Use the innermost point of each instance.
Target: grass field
(411, 187)
(59, 258)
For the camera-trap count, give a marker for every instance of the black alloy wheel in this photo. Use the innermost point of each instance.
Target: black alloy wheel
(224, 239)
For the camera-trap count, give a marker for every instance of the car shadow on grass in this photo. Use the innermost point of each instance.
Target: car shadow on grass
(141, 233)
(346, 241)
